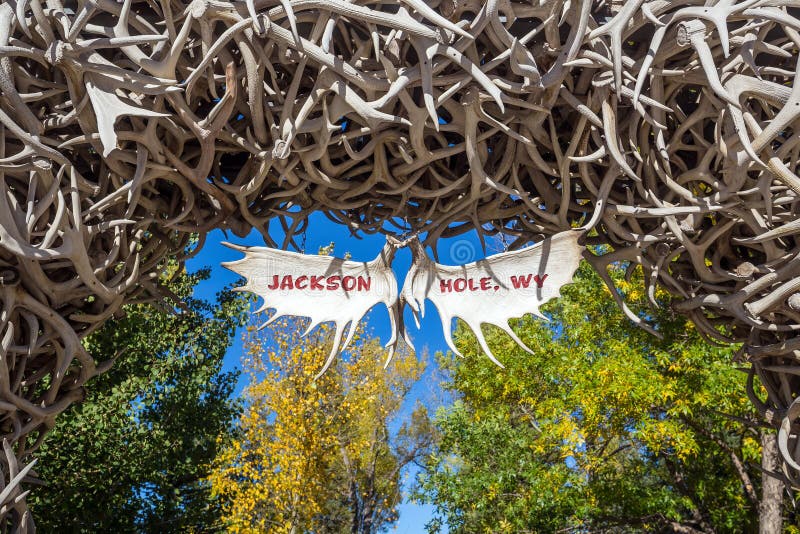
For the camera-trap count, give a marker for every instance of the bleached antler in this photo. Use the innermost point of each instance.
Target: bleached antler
(125, 128)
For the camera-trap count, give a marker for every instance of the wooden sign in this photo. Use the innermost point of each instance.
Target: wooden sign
(488, 291)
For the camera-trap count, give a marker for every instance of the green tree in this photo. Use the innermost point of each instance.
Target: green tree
(326, 454)
(134, 455)
(604, 428)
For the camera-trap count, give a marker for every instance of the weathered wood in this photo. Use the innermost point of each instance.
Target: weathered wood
(125, 127)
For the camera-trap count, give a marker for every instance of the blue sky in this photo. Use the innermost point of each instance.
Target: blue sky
(321, 232)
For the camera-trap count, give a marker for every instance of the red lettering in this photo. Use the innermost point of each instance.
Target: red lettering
(286, 283)
(485, 283)
(274, 284)
(521, 281)
(472, 286)
(445, 286)
(539, 280)
(364, 283)
(333, 282)
(316, 283)
(348, 283)
(460, 284)
(301, 280)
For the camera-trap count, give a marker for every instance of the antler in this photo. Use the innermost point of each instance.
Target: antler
(128, 127)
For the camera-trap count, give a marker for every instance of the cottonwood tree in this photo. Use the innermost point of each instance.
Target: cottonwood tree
(322, 455)
(603, 428)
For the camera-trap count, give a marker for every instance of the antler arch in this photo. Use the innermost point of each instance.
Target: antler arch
(126, 127)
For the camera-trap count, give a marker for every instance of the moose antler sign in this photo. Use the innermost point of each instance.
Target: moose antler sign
(495, 289)
(489, 291)
(322, 288)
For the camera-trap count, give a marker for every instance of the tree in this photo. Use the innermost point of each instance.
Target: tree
(134, 455)
(604, 428)
(320, 455)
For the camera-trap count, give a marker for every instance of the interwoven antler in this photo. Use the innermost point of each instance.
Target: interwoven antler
(128, 126)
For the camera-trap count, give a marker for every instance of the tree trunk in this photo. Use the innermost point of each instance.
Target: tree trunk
(355, 508)
(770, 520)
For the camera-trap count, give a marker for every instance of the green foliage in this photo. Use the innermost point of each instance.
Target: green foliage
(604, 427)
(132, 457)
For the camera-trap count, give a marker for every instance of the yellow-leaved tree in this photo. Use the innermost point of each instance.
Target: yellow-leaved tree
(321, 455)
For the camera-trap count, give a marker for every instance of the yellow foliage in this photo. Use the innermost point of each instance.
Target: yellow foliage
(298, 437)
